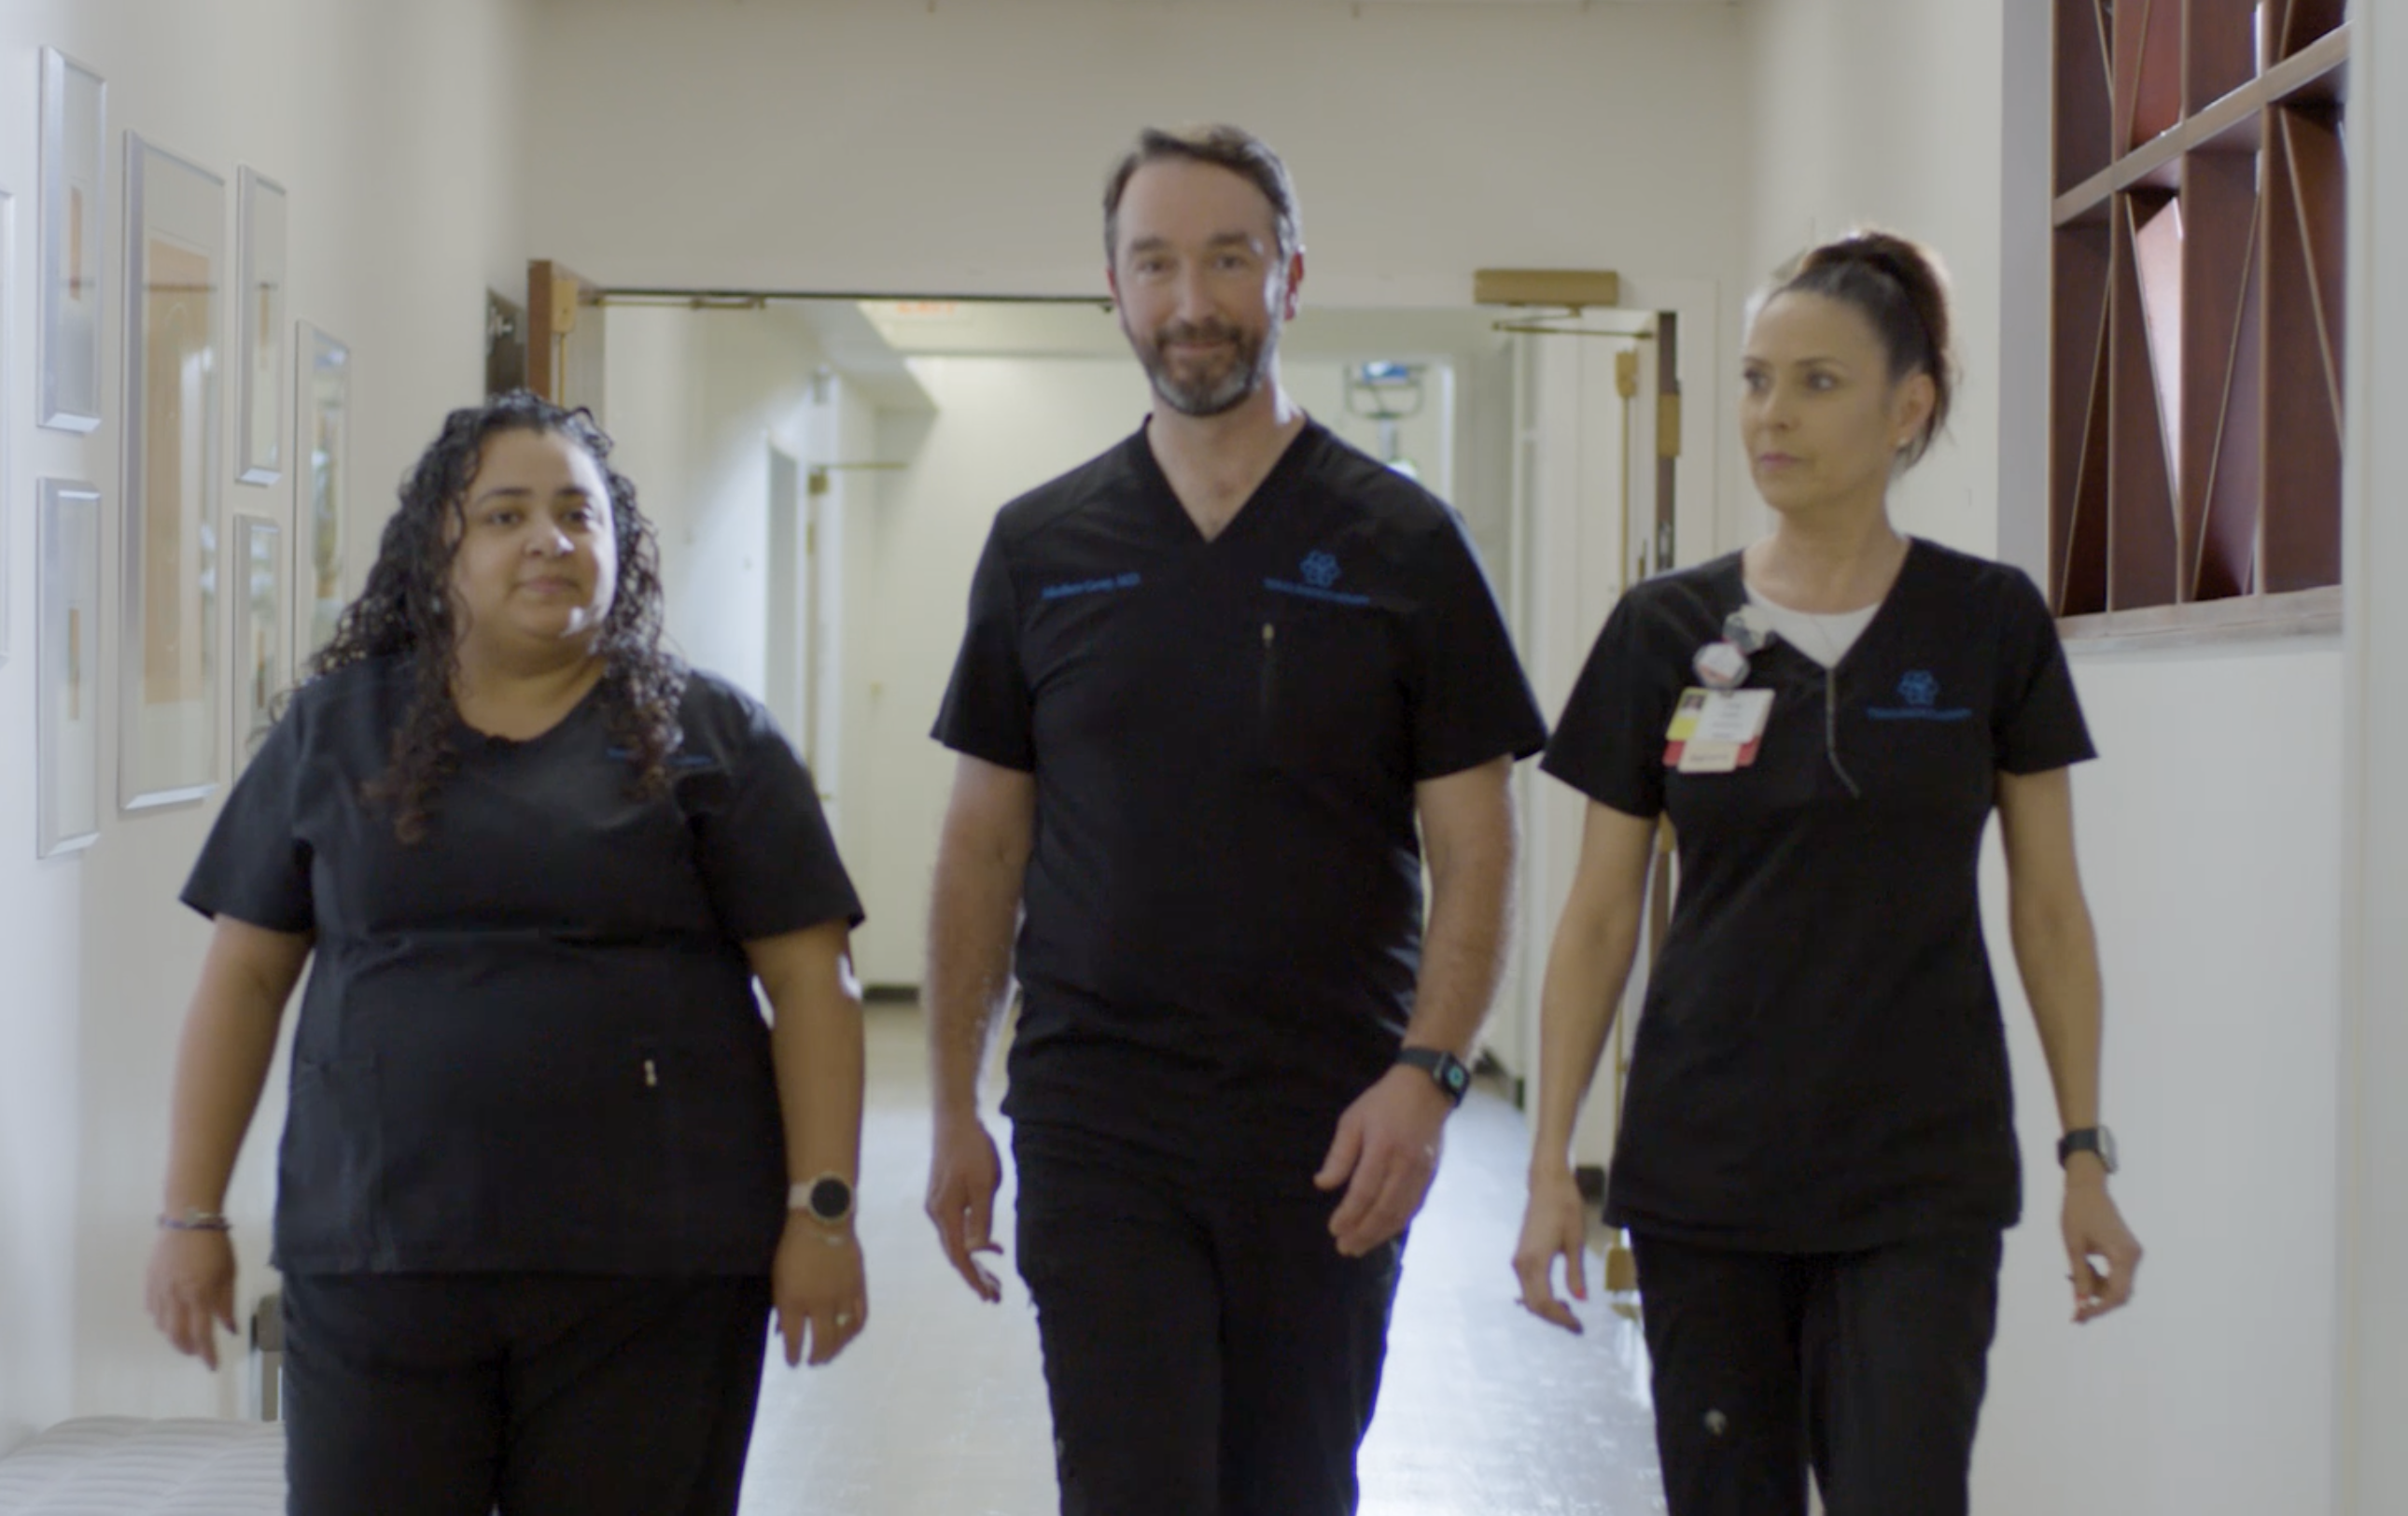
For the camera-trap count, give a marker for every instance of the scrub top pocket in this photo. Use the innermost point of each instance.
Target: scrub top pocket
(1331, 692)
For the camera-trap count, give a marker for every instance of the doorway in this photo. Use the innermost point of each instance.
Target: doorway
(786, 657)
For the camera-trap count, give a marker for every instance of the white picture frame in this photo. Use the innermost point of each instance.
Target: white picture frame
(74, 286)
(168, 662)
(260, 219)
(66, 653)
(323, 386)
(260, 668)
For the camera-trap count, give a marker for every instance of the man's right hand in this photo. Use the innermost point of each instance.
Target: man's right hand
(964, 1173)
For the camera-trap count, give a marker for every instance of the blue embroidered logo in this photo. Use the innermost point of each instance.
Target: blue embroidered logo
(1319, 571)
(675, 760)
(1920, 690)
(1088, 587)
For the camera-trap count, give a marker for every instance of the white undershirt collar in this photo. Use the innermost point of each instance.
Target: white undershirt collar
(1826, 639)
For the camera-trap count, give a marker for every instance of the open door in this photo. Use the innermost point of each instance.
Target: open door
(563, 346)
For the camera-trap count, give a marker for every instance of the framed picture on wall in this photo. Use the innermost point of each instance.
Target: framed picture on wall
(66, 681)
(324, 370)
(259, 621)
(260, 317)
(168, 653)
(75, 110)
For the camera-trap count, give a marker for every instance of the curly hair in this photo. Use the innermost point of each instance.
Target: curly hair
(406, 610)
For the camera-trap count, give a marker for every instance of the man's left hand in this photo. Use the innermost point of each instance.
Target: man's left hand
(2105, 1255)
(1385, 1154)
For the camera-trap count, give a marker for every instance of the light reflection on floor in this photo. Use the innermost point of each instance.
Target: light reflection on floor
(939, 1408)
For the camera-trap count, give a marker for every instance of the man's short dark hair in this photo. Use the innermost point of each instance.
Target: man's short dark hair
(1240, 152)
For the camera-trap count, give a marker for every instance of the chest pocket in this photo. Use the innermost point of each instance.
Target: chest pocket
(1920, 740)
(1331, 685)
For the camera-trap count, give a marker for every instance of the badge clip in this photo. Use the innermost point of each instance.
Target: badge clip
(1720, 666)
(1723, 665)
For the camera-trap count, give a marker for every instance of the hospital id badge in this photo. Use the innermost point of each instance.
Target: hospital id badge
(1716, 730)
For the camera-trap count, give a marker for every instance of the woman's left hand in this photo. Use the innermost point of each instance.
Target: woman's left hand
(818, 1279)
(2095, 1233)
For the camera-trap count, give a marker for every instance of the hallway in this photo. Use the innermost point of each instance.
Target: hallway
(941, 1406)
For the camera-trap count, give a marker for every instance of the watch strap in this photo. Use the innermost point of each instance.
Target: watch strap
(1445, 1070)
(2095, 1140)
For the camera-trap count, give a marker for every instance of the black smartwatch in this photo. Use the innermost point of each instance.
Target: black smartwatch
(2088, 1139)
(1445, 1070)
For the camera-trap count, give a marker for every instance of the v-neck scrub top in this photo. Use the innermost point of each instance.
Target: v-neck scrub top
(529, 1040)
(1820, 1065)
(1222, 903)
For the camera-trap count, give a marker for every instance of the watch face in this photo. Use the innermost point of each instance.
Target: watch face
(831, 1199)
(1455, 1077)
(2107, 1149)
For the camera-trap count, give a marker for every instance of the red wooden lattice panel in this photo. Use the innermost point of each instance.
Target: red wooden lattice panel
(2086, 133)
(2078, 430)
(2196, 415)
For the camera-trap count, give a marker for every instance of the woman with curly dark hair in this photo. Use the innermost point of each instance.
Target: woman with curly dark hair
(546, 1169)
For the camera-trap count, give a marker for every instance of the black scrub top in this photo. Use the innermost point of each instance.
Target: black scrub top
(1821, 1065)
(529, 1042)
(1222, 905)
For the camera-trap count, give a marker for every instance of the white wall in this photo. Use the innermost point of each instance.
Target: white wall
(2211, 832)
(400, 217)
(2211, 844)
(1887, 112)
(960, 148)
(696, 400)
(1001, 427)
(2372, 1375)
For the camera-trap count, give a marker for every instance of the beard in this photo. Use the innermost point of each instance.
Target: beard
(1208, 386)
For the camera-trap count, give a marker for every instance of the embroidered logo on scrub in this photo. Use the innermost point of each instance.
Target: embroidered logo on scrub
(1088, 587)
(1920, 690)
(688, 761)
(1320, 573)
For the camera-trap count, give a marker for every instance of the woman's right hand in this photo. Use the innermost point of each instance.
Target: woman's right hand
(1555, 1226)
(190, 1290)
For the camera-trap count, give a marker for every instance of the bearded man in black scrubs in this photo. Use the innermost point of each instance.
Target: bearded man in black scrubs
(1211, 682)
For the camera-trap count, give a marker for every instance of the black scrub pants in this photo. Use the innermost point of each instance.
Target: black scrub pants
(1207, 1354)
(535, 1394)
(1868, 1367)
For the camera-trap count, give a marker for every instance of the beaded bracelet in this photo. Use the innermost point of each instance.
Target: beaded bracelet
(196, 1219)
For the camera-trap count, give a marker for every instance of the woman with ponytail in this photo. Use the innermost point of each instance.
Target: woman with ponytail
(1817, 1156)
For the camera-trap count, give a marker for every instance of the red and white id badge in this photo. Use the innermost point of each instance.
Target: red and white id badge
(1716, 730)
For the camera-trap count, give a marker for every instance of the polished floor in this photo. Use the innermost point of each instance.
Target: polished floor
(940, 1407)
